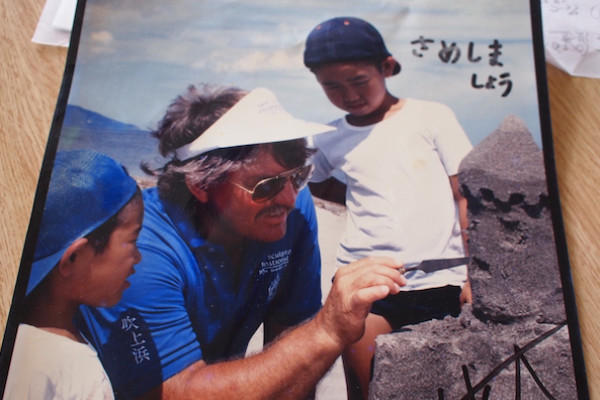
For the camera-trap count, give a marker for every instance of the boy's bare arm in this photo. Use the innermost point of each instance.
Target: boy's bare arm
(292, 365)
(463, 219)
(461, 202)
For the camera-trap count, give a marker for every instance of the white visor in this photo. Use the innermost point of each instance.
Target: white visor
(256, 118)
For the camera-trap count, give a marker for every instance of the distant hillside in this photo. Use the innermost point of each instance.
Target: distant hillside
(126, 143)
(79, 116)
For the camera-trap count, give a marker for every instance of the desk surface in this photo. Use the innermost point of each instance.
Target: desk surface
(31, 75)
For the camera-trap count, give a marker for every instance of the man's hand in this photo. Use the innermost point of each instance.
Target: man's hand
(355, 287)
(292, 364)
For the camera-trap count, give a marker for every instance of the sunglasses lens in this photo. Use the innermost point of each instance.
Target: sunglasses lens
(269, 188)
(300, 178)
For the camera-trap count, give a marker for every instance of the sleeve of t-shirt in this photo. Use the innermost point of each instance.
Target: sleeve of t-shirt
(450, 139)
(299, 297)
(40, 387)
(322, 167)
(34, 384)
(148, 337)
(58, 384)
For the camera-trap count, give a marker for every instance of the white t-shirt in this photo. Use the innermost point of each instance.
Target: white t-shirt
(399, 200)
(49, 366)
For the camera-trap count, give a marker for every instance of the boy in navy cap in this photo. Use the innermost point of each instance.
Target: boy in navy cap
(85, 251)
(399, 159)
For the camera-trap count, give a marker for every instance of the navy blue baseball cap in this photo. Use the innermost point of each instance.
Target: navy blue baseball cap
(344, 39)
(86, 189)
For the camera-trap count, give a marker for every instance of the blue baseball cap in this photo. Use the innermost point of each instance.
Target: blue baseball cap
(86, 189)
(344, 39)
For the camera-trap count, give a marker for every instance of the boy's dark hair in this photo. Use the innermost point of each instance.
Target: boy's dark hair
(100, 236)
(345, 39)
(187, 117)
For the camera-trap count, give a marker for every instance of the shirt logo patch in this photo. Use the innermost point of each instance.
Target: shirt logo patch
(275, 262)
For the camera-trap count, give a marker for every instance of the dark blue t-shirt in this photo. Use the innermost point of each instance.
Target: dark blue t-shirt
(184, 305)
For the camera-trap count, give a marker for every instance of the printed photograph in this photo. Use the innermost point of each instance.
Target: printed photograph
(298, 200)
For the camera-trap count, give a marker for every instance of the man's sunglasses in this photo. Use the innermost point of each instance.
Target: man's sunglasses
(268, 188)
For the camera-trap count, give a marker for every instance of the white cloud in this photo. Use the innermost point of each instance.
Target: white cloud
(254, 60)
(101, 50)
(101, 43)
(102, 37)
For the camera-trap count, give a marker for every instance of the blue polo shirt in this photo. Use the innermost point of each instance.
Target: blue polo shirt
(185, 305)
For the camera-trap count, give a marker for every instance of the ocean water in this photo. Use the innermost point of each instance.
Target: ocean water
(129, 147)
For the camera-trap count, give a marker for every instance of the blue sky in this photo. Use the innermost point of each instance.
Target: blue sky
(135, 57)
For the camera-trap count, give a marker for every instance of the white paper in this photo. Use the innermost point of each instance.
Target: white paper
(572, 35)
(46, 32)
(65, 15)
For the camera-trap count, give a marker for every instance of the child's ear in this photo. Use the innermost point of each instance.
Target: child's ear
(198, 193)
(67, 263)
(388, 65)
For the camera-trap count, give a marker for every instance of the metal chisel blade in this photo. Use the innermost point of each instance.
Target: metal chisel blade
(438, 264)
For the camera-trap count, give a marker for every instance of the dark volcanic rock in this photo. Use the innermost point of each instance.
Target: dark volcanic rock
(517, 294)
(418, 363)
(507, 162)
(514, 273)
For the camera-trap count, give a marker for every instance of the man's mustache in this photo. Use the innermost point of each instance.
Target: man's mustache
(274, 210)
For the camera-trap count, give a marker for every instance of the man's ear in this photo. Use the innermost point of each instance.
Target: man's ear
(388, 65)
(200, 194)
(69, 259)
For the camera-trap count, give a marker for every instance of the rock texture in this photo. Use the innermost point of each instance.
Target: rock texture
(517, 293)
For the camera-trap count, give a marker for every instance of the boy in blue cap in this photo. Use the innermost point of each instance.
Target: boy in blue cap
(399, 159)
(86, 249)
